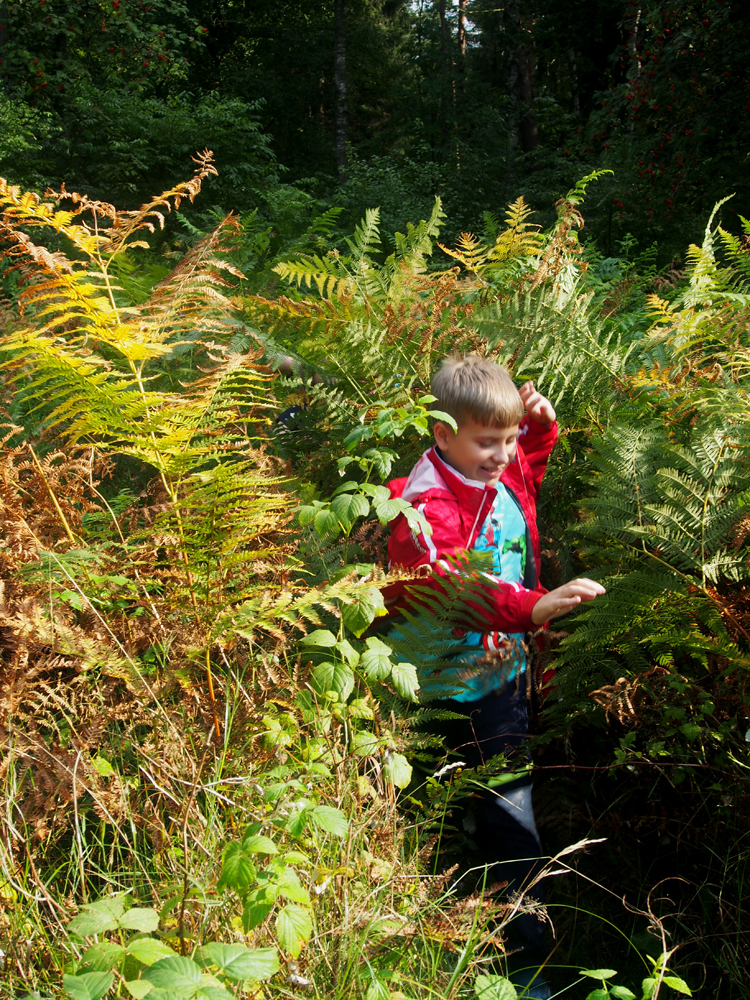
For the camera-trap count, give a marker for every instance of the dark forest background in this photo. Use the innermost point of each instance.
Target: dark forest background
(383, 102)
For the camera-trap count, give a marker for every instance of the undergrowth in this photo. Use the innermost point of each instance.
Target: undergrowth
(217, 776)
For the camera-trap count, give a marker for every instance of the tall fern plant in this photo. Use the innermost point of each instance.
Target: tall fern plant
(90, 359)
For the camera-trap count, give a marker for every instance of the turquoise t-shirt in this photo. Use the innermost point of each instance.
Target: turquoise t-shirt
(488, 661)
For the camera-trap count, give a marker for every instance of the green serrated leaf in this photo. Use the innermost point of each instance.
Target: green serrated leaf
(142, 919)
(102, 957)
(306, 515)
(598, 994)
(375, 660)
(329, 819)
(237, 870)
(348, 507)
(289, 886)
(678, 985)
(367, 606)
(258, 905)
(338, 677)
(647, 988)
(320, 637)
(238, 962)
(397, 769)
(293, 928)
(326, 524)
(177, 974)
(139, 988)
(89, 985)
(365, 744)
(359, 708)
(257, 844)
(148, 950)
(97, 918)
(405, 680)
(213, 993)
(347, 652)
(386, 510)
(494, 988)
(622, 993)
(598, 973)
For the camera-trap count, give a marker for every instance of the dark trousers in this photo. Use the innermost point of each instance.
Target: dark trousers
(506, 832)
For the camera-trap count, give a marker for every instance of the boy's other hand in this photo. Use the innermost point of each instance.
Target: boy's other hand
(563, 599)
(538, 407)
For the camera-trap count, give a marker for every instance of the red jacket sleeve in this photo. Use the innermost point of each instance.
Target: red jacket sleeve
(537, 442)
(504, 607)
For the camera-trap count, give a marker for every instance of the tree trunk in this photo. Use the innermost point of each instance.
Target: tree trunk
(3, 41)
(575, 94)
(342, 108)
(521, 80)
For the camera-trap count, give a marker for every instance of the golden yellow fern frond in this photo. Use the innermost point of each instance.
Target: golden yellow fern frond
(520, 238)
(470, 251)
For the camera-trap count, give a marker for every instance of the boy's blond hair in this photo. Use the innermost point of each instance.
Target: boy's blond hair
(475, 388)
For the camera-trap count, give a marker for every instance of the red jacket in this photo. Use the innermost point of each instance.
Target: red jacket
(456, 508)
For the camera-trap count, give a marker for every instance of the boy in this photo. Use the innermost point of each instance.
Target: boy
(477, 487)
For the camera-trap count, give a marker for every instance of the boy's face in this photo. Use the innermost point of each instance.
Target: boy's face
(477, 451)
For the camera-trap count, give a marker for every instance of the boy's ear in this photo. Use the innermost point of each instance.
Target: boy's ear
(442, 433)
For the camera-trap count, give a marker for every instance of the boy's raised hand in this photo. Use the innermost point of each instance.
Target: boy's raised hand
(538, 407)
(563, 599)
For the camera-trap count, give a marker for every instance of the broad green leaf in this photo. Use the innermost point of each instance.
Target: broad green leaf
(237, 869)
(678, 985)
(256, 911)
(139, 988)
(405, 680)
(293, 928)
(376, 659)
(177, 974)
(290, 887)
(257, 844)
(149, 950)
(329, 819)
(621, 993)
(367, 606)
(377, 990)
(306, 515)
(388, 509)
(142, 919)
(102, 957)
(213, 993)
(494, 988)
(326, 524)
(647, 988)
(320, 637)
(348, 507)
(365, 744)
(238, 962)
(96, 918)
(337, 677)
(598, 973)
(397, 769)
(348, 652)
(446, 418)
(598, 994)
(89, 986)
(360, 709)
(347, 487)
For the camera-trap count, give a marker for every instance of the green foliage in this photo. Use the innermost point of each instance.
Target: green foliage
(235, 745)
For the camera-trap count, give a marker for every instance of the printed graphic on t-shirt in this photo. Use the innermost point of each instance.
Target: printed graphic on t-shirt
(493, 659)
